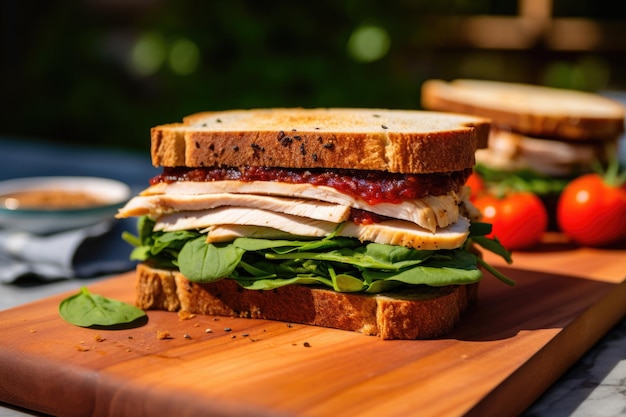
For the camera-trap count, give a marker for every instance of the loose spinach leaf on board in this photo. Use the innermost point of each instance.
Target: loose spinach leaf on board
(85, 309)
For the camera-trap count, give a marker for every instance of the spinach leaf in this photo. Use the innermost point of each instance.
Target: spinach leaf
(286, 246)
(345, 282)
(493, 245)
(398, 256)
(270, 284)
(85, 309)
(361, 258)
(258, 270)
(460, 268)
(160, 247)
(172, 241)
(205, 262)
(480, 229)
(344, 264)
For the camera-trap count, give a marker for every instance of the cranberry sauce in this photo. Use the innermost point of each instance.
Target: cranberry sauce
(370, 186)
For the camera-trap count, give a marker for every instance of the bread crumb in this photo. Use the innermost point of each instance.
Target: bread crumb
(81, 348)
(163, 334)
(98, 338)
(185, 315)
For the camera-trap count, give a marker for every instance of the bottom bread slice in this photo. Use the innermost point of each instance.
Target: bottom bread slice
(424, 313)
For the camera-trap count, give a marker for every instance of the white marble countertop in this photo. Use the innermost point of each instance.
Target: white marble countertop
(594, 387)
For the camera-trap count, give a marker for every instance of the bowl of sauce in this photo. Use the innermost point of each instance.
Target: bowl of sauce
(46, 205)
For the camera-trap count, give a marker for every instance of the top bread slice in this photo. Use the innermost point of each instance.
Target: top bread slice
(402, 141)
(529, 109)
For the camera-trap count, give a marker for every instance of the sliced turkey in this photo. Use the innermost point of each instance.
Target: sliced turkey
(203, 219)
(396, 232)
(430, 212)
(156, 205)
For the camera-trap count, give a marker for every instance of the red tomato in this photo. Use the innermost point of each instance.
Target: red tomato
(592, 212)
(519, 219)
(476, 184)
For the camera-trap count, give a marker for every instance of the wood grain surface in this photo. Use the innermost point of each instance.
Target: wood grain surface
(506, 351)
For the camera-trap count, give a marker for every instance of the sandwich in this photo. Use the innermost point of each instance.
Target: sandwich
(352, 219)
(541, 137)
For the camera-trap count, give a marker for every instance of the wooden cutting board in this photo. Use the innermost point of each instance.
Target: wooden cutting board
(504, 354)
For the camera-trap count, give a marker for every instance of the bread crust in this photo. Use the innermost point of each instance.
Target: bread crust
(367, 139)
(529, 109)
(424, 314)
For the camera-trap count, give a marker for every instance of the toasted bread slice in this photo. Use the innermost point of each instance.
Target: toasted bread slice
(529, 109)
(423, 313)
(365, 139)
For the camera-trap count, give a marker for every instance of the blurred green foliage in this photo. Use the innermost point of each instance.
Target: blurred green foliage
(72, 72)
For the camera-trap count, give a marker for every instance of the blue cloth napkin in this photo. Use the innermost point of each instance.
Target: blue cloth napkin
(80, 253)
